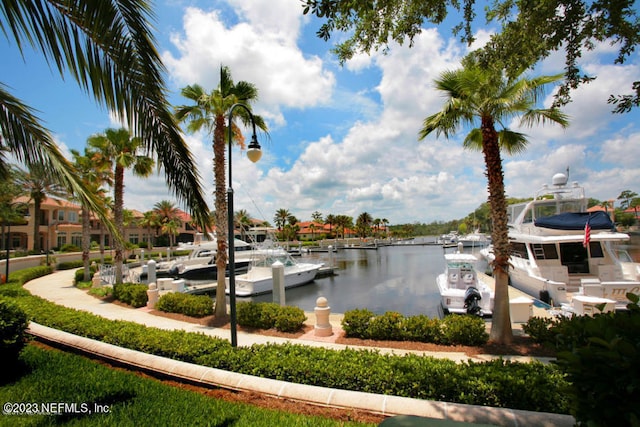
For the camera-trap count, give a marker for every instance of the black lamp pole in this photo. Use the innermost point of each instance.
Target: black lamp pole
(253, 153)
(6, 275)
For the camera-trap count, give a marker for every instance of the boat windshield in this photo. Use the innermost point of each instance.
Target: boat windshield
(269, 260)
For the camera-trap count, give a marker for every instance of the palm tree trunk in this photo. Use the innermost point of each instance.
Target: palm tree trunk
(221, 214)
(119, 221)
(37, 208)
(501, 320)
(86, 243)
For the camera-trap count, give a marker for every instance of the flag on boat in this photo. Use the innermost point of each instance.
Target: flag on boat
(587, 234)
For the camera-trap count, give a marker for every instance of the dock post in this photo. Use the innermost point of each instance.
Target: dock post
(277, 272)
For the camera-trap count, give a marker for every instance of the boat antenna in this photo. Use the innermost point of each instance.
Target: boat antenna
(567, 173)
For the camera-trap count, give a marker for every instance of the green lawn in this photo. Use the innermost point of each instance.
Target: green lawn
(94, 395)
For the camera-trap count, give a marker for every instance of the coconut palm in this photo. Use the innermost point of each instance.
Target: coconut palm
(482, 98)
(117, 148)
(94, 175)
(243, 220)
(108, 47)
(39, 183)
(208, 113)
(280, 218)
(149, 221)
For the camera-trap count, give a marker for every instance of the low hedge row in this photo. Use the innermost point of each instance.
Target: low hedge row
(452, 330)
(527, 386)
(267, 315)
(13, 323)
(189, 305)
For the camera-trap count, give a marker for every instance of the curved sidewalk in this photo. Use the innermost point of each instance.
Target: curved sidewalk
(59, 289)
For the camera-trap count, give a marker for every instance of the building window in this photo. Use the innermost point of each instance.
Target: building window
(72, 216)
(133, 238)
(76, 239)
(60, 215)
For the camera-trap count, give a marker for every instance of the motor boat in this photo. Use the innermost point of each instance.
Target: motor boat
(559, 250)
(259, 278)
(474, 240)
(461, 291)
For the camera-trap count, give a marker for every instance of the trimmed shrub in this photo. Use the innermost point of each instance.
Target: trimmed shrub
(386, 327)
(189, 305)
(13, 323)
(23, 276)
(131, 293)
(290, 319)
(79, 274)
(421, 328)
(355, 323)
(464, 330)
(539, 329)
(268, 315)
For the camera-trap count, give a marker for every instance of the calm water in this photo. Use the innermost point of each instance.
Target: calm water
(391, 278)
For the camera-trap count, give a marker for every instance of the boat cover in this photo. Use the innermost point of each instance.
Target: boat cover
(598, 220)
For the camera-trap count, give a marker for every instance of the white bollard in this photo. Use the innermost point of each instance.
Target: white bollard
(323, 327)
(152, 295)
(277, 272)
(151, 271)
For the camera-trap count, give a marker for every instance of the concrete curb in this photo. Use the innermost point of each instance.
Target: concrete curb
(383, 404)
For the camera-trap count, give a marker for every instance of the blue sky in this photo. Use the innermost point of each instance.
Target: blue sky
(343, 140)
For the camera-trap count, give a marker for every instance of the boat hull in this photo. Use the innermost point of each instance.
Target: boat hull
(260, 281)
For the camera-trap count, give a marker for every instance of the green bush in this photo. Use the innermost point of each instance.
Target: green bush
(386, 327)
(70, 248)
(539, 329)
(452, 330)
(131, 293)
(189, 305)
(13, 323)
(79, 274)
(355, 323)
(422, 328)
(290, 319)
(464, 330)
(23, 276)
(601, 358)
(268, 315)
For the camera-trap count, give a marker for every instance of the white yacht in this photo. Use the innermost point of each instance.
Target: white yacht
(259, 278)
(461, 291)
(560, 251)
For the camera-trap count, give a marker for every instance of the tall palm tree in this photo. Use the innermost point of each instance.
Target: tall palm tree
(243, 220)
(280, 218)
(331, 220)
(363, 224)
(208, 112)
(168, 216)
(485, 97)
(39, 183)
(94, 175)
(149, 220)
(117, 148)
(108, 47)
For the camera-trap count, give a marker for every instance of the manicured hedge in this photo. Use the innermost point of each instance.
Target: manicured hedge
(267, 315)
(189, 305)
(133, 294)
(452, 330)
(13, 323)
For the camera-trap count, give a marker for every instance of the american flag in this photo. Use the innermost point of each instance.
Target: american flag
(587, 234)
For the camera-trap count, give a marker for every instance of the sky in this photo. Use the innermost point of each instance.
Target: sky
(343, 139)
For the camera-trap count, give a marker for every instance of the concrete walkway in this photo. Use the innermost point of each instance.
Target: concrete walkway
(58, 288)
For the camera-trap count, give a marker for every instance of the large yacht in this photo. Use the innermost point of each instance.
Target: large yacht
(559, 250)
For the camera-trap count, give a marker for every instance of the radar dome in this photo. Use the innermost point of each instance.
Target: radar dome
(559, 179)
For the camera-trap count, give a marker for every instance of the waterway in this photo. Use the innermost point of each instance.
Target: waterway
(398, 278)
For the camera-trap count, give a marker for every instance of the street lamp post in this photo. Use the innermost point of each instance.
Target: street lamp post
(253, 153)
(6, 264)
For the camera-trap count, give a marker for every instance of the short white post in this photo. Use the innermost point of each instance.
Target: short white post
(277, 272)
(152, 295)
(142, 255)
(168, 254)
(151, 271)
(323, 326)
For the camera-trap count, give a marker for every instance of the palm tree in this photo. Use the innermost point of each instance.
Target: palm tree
(485, 95)
(39, 183)
(93, 174)
(363, 224)
(243, 220)
(168, 216)
(149, 220)
(117, 148)
(331, 220)
(208, 112)
(280, 218)
(10, 211)
(109, 49)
